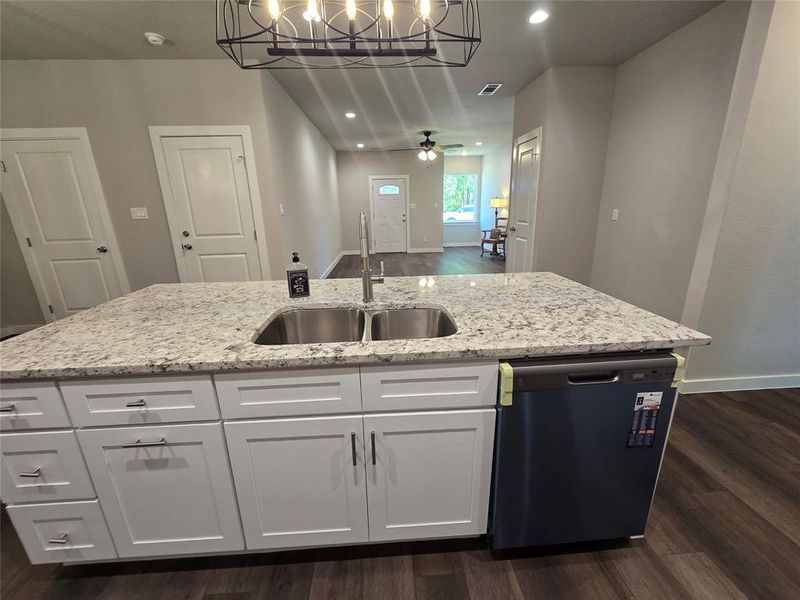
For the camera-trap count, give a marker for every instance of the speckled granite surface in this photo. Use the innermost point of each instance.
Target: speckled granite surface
(180, 328)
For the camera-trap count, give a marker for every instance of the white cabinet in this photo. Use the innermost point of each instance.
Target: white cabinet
(300, 482)
(31, 406)
(165, 489)
(42, 466)
(428, 474)
(290, 393)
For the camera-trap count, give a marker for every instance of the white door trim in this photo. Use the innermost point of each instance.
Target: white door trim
(372, 208)
(62, 133)
(158, 131)
(535, 134)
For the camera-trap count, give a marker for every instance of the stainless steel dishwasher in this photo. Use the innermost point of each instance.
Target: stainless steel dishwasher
(578, 447)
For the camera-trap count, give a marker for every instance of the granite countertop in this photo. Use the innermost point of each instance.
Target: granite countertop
(204, 327)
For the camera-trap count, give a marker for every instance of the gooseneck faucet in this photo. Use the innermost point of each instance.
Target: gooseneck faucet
(367, 278)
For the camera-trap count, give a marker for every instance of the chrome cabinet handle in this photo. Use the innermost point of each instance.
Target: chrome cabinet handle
(7, 408)
(102, 249)
(63, 539)
(134, 403)
(37, 472)
(140, 444)
(372, 438)
(353, 448)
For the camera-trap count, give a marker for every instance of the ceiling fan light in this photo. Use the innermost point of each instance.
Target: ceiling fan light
(431, 155)
(422, 155)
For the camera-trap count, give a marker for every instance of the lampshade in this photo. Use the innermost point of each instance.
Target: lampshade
(498, 203)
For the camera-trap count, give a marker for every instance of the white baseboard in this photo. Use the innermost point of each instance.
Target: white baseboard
(462, 244)
(330, 268)
(17, 329)
(733, 384)
(420, 250)
(351, 252)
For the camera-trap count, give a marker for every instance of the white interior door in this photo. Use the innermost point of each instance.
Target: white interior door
(209, 206)
(58, 211)
(389, 218)
(300, 482)
(524, 192)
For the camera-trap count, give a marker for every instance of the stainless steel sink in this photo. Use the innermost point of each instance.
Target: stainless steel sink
(313, 325)
(411, 323)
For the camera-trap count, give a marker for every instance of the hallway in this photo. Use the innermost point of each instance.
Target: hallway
(453, 261)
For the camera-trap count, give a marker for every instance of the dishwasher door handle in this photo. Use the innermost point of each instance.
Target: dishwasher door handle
(593, 378)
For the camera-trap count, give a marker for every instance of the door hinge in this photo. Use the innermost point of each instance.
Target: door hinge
(3, 166)
(255, 235)
(50, 306)
(27, 239)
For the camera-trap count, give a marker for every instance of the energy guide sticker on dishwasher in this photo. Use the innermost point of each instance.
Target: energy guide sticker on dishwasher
(645, 414)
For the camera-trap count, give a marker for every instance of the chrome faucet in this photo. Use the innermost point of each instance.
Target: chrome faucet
(367, 278)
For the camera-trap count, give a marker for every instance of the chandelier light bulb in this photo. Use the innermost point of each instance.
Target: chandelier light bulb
(274, 8)
(311, 13)
(388, 9)
(431, 155)
(425, 9)
(350, 9)
(422, 155)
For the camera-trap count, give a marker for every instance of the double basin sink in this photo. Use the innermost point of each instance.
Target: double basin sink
(321, 325)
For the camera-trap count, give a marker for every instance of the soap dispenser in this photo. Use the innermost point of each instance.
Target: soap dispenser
(297, 276)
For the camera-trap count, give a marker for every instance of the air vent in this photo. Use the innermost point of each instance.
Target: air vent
(490, 89)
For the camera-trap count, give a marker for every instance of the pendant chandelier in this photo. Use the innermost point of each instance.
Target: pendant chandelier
(346, 34)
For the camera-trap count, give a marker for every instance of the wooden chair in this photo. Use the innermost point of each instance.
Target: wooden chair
(496, 236)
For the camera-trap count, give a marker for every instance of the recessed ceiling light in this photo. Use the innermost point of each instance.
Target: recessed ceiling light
(359, 145)
(463, 153)
(155, 38)
(479, 143)
(539, 16)
(350, 115)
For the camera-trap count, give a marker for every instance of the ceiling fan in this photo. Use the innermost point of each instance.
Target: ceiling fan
(428, 147)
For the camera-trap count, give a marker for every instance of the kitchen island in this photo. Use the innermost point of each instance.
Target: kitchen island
(152, 425)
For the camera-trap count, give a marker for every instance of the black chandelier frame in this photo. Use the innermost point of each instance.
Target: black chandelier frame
(369, 43)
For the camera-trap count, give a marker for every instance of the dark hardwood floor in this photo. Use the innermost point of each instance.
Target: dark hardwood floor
(725, 525)
(453, 261)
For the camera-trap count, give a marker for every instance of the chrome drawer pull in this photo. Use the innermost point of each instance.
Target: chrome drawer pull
(7, 408)
(140, 444)
(37, 472)
(60, 540)
(139, 402)
(372, 439)
(353, 448)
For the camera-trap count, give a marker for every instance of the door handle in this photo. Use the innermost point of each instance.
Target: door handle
(102, 249)
(186, 246)
(372, 438)
(185, 233)
(353, 448)
(512, 229)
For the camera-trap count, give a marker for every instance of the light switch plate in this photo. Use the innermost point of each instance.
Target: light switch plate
(615, 214)
(139, 212)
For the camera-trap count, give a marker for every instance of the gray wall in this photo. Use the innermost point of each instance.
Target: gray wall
(425, 178)
(752, 302)
(461, 234)
(18, 304)
(573, 107)
(495, 181)
(117, 100)
(669, 107)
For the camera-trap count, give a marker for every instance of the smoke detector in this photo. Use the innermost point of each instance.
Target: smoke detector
(156, 39)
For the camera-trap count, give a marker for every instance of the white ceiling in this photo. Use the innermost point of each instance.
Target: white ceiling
(392, 104)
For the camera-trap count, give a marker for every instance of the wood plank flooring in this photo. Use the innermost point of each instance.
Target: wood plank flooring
(725, 525)
(453, 261)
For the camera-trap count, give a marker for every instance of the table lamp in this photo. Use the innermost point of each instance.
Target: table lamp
(497, 204)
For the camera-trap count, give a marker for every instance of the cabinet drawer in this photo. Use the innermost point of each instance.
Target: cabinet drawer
(164, 490)
(420, 387)
(289, 393)
(43, 467)
(63, 532)
(138, 401)
(31, 406)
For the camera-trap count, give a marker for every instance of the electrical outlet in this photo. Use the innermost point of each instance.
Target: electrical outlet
(139, 212)
(280, 206)
(615, 214)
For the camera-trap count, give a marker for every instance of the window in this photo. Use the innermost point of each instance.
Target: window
(460, 202)
(389, 190)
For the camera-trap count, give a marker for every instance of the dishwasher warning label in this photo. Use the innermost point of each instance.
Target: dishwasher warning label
(645, 414)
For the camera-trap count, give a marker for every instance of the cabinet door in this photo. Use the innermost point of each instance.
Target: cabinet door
(31, 406)
(164, 490)
(300, 482)
(428, 474)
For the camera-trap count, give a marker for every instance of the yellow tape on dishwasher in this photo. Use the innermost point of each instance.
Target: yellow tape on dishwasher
(506, 384)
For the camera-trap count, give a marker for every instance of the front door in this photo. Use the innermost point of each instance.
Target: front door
(524, 192)
(59, 215)
(209, 209)
(389, 218)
